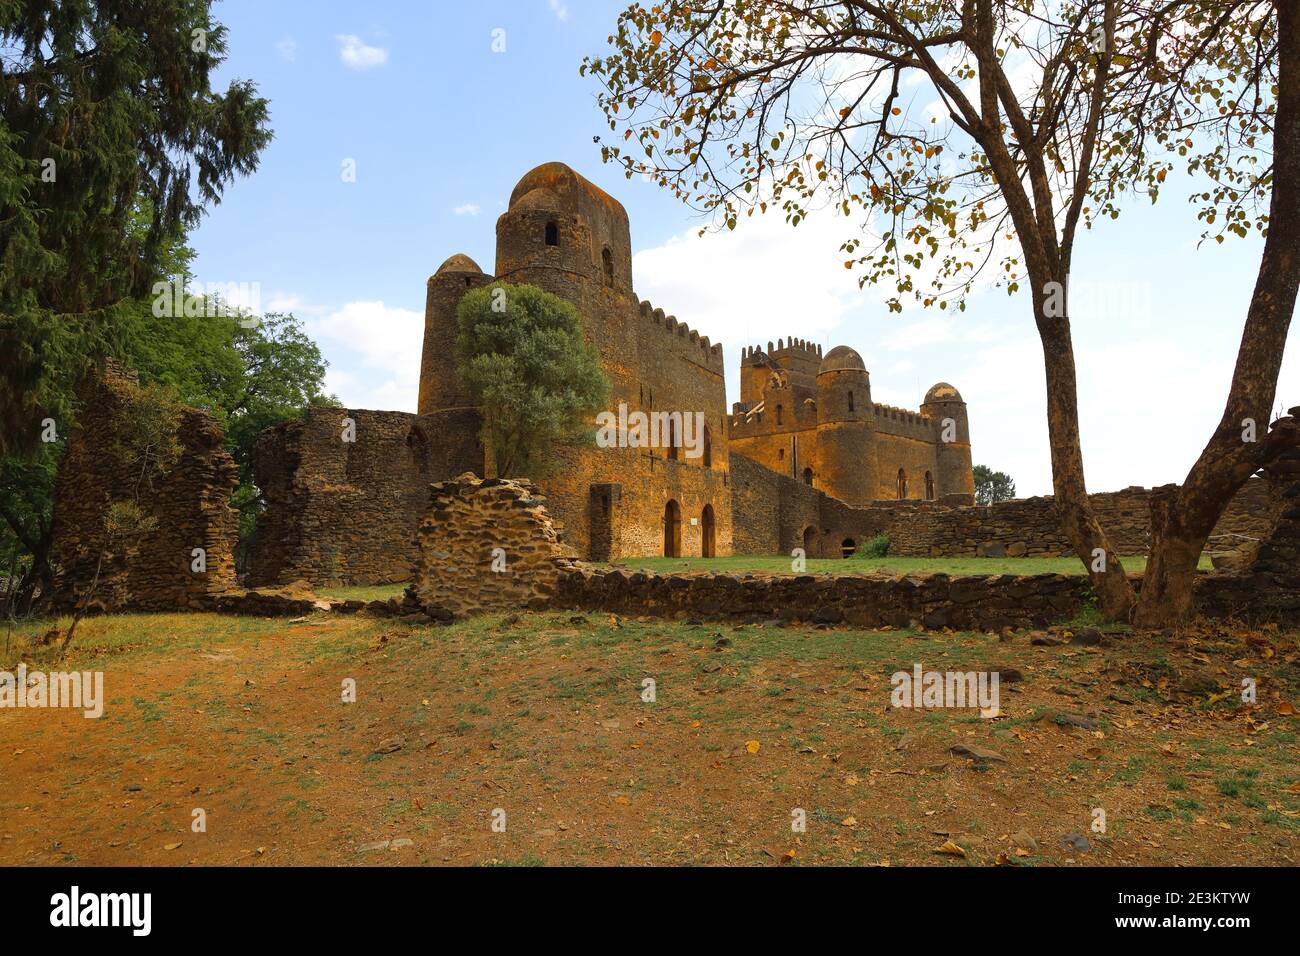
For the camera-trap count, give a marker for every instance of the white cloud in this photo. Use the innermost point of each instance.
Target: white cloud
(287, 47)
(467, 209)
(374, 353)
(560, 9)
(356, 55)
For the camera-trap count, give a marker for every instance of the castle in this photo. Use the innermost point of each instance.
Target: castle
(804, 441)
(811, 417)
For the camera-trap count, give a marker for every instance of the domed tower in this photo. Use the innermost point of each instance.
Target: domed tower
(564, 234)
(439, 385)
(944, 406)
(846, 440)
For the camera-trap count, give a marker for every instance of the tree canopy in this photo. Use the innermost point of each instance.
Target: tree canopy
(113, 143)
(522, 353)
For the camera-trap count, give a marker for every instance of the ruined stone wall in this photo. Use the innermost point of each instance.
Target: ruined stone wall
(1030, 527)
(343, 512)
(981, 603)
(774, 513)
(460, 570)
(190, 504)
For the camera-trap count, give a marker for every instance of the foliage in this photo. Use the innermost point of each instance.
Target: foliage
(875, 547)
(992, 486)
(522, 353)
(112, 144)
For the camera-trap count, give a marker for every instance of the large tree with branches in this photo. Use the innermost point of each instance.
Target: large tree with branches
(1050, 113)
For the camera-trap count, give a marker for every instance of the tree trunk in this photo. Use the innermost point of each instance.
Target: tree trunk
(1183, 519)
(1078, 522)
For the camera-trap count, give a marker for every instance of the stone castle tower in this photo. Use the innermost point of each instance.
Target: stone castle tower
(563, 234)
(812, 417)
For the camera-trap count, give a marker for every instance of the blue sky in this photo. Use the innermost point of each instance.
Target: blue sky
(440, 128)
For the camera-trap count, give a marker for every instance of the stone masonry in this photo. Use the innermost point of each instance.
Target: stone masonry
(459, 568)
(190, 503)
(341, 511)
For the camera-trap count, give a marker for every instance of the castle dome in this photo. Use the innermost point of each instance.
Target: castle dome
(459, 263)
(560, 180)
(842, 358)
(943, 392)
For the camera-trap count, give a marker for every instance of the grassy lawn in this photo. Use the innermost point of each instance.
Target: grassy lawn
(545, 718)
(891, 565)
(367, 592)
(746, 563)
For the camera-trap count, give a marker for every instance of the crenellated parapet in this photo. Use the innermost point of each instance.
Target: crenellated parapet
(710, 354)
(904, 422)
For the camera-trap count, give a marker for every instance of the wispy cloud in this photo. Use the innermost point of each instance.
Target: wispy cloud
(560, 9)
(287, 48)
(356, 55)
(467, 209)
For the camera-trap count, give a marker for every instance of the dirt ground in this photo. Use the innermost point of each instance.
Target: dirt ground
(537, 722)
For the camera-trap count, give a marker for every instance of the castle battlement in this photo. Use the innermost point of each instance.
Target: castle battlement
(674, 326)
(751, 354)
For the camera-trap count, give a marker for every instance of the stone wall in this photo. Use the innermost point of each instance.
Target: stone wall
(459, 568)
(337, 511)
(981, 603)
(1268, 589)
(190, 505)
(468, 518)
(774, 514)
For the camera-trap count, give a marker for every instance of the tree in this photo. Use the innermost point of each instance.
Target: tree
(1049, 114)
(522, 354)
(112, 144)
(992, 486)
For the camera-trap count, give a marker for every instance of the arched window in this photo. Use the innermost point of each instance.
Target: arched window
(850, 401)
(708, 447)
(552, 233)
(780, 454)
(708, 543)
(779, 410)
(902, 484)
(807, 476)
(673, 440)
(607, 261)
(929, 487)
(672, 529)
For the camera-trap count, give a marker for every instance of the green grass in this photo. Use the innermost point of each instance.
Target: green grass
(890, 565)
(365, 592)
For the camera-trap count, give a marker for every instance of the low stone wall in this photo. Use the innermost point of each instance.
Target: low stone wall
(487, 544)
(1030, 527)
(934, 601)
(190, 505)
(341, 511)
(775, 514)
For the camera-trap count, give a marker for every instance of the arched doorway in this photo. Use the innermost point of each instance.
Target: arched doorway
(902, 484)
(708, 546)
(807, 476)
(672, 529)
(809, 541)
(929, 487)
(848, 547)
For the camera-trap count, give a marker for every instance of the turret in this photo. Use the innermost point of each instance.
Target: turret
(943, 404)
(846, 466)
(439, 385)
